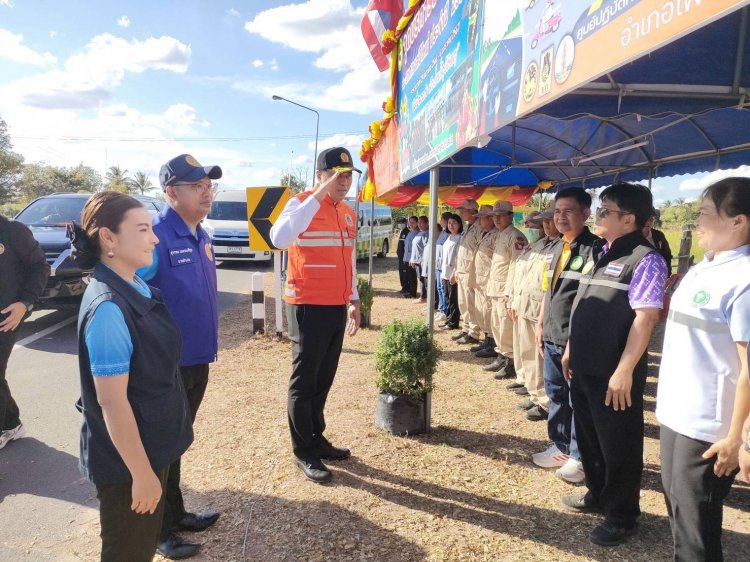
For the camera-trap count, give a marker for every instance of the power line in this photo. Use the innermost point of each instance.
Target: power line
(178, 139)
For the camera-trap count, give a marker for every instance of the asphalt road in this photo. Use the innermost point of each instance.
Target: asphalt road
(44, 501)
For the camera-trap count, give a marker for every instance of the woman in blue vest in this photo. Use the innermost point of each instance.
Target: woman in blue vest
(136, 420)
(704, 393)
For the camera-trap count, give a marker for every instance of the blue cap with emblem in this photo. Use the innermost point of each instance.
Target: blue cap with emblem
(187, 169)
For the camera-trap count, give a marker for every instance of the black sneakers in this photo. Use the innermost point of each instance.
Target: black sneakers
(459, 335)
(610, 534)
(313, 469)
(331, 453)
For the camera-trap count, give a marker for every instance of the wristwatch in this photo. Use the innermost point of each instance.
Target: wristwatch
(29, 305)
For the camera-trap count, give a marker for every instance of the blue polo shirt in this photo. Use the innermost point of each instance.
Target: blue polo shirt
(185, 271)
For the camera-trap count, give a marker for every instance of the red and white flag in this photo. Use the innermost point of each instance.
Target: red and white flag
(379, 16)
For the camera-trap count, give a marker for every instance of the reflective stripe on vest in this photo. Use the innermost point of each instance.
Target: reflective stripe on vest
(605, 283)
(710, 326)
(324, 242)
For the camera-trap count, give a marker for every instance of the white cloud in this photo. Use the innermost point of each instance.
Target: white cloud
(329, 29)
(52, 34)
(701, 182)
(274, 64)
(257, 63)
(89, 78)
(7, 3)
(301, 160)
(13, 49)
(233, 12)
(123, 21)
(351, 142)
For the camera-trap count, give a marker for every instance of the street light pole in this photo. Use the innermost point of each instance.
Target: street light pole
(317, 127)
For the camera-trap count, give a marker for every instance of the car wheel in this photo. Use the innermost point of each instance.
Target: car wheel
(384, 252)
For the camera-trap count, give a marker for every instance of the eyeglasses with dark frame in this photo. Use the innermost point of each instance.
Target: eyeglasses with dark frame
(603, 212)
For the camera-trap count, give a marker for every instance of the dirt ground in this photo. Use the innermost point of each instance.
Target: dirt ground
(465, 491)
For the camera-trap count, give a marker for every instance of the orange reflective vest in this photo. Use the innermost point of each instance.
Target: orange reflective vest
(319, 269)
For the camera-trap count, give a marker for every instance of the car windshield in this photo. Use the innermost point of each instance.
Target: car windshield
(52, 211)
(228, 211)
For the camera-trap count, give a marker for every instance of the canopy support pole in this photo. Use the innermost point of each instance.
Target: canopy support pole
(740, 55)
(431, 273)
(372, 220)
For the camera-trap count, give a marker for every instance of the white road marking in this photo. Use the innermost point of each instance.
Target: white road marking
(33, 337)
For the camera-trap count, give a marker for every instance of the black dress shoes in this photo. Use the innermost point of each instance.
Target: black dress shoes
(175, 547)
(197, 522)
(329, 452)
(313, 469)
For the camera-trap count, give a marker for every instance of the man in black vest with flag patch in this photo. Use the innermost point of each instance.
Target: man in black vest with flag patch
(617, 305)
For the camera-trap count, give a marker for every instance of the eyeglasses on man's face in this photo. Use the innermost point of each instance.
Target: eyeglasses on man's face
(604, 212)
(199, 186)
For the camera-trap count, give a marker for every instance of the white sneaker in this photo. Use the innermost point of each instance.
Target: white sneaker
(551, 458)
(11, 435)
(439, 316)
(571, 471)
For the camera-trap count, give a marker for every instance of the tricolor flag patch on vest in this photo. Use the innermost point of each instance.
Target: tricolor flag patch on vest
(614, 269)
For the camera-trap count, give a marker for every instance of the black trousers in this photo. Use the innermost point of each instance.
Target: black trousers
(694, 495)
(403, 274)
(126, 535)
(411, 281)
(9, 413)
(611, 446)
(195, 379)
(317, 334)
(451, 296)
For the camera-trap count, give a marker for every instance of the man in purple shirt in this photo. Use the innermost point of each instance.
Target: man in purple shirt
(619, 298)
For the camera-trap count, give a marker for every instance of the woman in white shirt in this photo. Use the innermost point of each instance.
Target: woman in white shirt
(704, 392)
(448, 273)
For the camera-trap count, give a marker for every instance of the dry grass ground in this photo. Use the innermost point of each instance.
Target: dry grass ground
(465, 491)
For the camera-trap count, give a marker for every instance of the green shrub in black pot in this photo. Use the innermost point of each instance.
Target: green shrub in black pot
(406, 358)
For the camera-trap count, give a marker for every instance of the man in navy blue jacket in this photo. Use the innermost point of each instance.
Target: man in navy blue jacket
(185, 271)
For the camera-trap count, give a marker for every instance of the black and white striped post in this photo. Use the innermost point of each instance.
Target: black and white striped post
(259, 304)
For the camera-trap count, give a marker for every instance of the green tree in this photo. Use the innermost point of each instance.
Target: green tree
(141, 182)
(118, 180)
(11, 165)
(39, 179)
(540, 201)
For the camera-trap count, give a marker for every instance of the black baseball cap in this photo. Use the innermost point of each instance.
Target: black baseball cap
(336, 157)
(186, 168)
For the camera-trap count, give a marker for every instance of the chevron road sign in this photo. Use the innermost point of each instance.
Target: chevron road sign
(264, 205)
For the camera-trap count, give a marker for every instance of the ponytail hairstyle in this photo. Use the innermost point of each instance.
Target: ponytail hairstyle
(104, 210)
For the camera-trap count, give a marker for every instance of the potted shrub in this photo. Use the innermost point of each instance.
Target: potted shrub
(366, 295)
(406, 358)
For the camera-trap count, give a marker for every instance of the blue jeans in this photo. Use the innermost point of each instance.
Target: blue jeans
(442, 304)
(560, 420)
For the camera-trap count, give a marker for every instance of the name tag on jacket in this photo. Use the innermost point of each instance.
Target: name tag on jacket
(182, 256)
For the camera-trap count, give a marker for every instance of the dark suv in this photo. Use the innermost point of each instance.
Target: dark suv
(48, 218)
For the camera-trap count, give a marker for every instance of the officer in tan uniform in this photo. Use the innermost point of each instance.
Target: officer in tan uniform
(509, 243)
(482, 264)
(526, 301)
(472, 235)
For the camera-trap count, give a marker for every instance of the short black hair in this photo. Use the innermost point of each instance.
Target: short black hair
(456, 217)
(577, 193)
(730, 195)
(633, 198)
(415, 217)
(424, 218)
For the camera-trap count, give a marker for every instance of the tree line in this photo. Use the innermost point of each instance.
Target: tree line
(21, 182)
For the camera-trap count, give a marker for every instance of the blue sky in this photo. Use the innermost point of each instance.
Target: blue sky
(195, 76)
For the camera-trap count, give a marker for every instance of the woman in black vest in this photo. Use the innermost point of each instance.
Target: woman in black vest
(135, 412)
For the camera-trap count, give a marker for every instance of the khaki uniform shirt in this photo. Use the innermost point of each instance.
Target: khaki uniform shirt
(526, 293)
(483, 258)
(469, 242)
(508, 245)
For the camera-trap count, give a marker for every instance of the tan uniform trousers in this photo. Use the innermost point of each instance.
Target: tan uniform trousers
(502, 328)
(483, 305)
(528, 362)
(468, 307)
